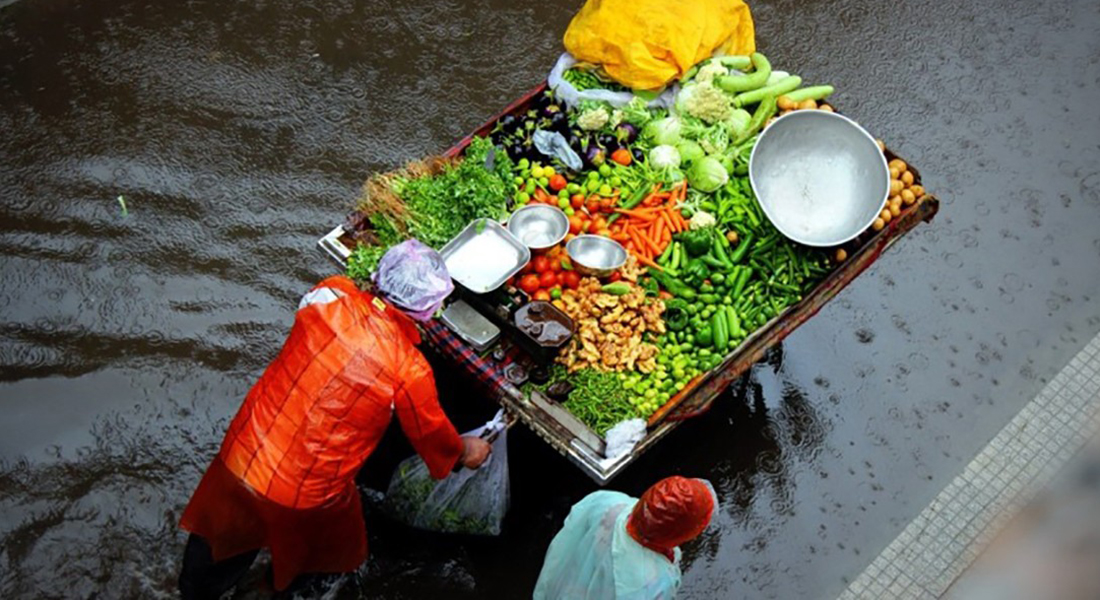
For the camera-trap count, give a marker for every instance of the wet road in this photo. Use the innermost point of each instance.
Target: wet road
(238, 134)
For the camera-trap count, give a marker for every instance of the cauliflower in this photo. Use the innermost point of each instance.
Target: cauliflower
(593, 119)
(706, 102)
(709, 71)
(702, 220)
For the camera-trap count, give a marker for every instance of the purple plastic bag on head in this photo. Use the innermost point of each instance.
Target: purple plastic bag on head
(413, 277)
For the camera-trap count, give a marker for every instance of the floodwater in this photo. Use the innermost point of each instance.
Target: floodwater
(238, 133)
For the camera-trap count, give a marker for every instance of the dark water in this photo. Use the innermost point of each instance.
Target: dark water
(238, 133)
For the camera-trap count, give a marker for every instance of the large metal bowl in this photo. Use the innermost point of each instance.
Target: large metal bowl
(539, 226)
(820, 178)
(595, 255)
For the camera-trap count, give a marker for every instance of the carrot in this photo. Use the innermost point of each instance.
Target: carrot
(636, 214)
(647, 262)
(639, 245)
(667, 220)
(649, 243)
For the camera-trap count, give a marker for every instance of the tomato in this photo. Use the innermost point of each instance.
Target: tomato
(622, 156)
(615, 276)
(599, 223)
(576, 224)
(541, 264)
(542, 295)
(558, 183)
(593, 205)
(607, 205)
(529, 283)
(555, 266)
(571, 279)
(577, 201)
(548, 279)
(604, 232)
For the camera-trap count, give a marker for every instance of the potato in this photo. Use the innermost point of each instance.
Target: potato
(809, 104)
(918, 190)
(826, 108)
(841, 255)
(784, 103)
(907, 178)
(900, 164)
(908, 197)
(878, 224)
(881, 145)
(895, 210)
(885, 215)
(895, 173)
(896, 186)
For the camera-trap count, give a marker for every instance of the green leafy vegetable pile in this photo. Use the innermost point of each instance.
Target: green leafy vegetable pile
(438, 207)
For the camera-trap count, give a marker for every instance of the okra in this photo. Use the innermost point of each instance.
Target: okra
(742, 249)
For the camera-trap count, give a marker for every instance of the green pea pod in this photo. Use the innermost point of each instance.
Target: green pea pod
(708, 298)
(734, 84)
(619, 288)
(782, 87)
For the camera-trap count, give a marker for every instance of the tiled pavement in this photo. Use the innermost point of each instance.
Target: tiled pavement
(950, 533)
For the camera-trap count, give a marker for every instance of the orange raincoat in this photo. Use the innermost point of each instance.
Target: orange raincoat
(284, 478)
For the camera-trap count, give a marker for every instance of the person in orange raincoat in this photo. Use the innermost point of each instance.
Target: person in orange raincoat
(284, 477)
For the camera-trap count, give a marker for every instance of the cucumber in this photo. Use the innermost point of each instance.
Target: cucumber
(743, 83)
(785, 86)
(814, 92)
(721, 333)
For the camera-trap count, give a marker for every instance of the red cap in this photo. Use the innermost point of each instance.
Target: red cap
(671, 512)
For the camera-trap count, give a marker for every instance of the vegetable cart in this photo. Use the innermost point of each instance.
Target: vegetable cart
(580, 443)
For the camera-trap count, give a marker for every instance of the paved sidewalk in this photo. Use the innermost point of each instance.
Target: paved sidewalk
(1051, 550)
(935, 549)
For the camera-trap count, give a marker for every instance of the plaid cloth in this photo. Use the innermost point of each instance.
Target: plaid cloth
(486, 372)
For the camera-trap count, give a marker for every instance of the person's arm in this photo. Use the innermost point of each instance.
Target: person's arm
(429, 430)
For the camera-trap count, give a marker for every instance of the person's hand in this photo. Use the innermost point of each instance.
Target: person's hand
(474, 451)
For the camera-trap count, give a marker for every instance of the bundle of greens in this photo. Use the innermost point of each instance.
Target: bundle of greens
(435, 202)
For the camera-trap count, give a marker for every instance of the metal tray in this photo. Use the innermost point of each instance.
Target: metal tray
(473, 327)
(484, 255)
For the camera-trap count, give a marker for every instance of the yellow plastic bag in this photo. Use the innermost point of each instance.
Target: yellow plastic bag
(644, 44)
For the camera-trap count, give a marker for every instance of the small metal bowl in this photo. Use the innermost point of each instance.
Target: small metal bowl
(595, 255)
(539, 226)
(820, 178)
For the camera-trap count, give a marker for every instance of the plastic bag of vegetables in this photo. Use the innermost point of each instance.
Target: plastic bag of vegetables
(471, 501)
(569, 94)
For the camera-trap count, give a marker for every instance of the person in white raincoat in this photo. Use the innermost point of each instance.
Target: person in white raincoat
(614, 547)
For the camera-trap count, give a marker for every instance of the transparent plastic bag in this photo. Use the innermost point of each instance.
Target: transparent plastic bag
(414, 277)
(471, 501)
(572, 96)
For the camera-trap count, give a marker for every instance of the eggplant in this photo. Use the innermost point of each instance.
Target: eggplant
(606, 139)
(559, 122)
(626, 133)
(595, 155)
(638, 155)
(515, 151)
